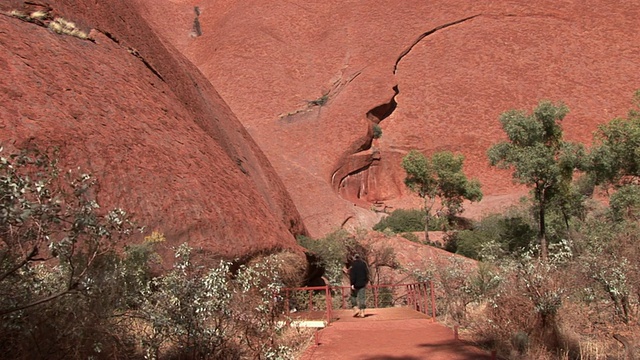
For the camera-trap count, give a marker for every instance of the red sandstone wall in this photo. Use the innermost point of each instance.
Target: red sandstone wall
(457, 66)
(154, 131)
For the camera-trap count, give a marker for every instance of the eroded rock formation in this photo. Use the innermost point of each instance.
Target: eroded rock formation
(309, 80)
(127, 107)
(450, 67)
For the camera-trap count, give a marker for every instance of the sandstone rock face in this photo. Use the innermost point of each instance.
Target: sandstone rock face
(310, 79)
(130, 109)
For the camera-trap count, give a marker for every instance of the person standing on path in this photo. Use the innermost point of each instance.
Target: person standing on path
(359, 277)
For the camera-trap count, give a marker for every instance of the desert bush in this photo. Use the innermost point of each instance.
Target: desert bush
(495, 236)
(625, 203)
(198, 312)
(608, 260)
(58, 25)
(329, 253)
(334, 252)
(58, 261)
(377, 131)
(402, 220)
(452, 277)
(71, 287)
(411, 237)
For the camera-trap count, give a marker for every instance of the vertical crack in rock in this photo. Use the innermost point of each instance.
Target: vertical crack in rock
(423, 35)
(197, 29)
(355, 169)
(381, 112)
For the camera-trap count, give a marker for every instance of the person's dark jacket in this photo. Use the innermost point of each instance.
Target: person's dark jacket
(359, 274)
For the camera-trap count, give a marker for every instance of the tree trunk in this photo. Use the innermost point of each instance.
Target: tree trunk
(628, 347)
(426, 228)
(542, 234)
(427, 217)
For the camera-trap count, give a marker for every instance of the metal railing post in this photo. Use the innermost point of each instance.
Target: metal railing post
(375, 296)
(286, 301)
(424, 297)
(433, 301)
(329, 303)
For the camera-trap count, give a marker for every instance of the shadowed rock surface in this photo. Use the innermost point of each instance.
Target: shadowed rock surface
(130, 109)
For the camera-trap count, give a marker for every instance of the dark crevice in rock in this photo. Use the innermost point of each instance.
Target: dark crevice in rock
(135, 53)
(407, 50)
(381, 112)
(376, 115)
(197, 29)
(366, 145)
(110, 36)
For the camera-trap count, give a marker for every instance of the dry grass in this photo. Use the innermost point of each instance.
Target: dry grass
(58, 25)
(62, 26)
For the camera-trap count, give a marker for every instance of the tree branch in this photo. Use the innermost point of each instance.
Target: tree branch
(28, 258)
(36, 303)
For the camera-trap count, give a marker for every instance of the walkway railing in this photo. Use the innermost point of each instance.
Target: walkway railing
(419, 296)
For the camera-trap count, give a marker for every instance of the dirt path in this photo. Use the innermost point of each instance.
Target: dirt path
(389, 334)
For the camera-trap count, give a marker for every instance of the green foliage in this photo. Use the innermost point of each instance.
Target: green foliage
(377, 131)
(47, 219)
(69, 290)
(439, 177)
(60, 275)
(616, 155)
(402, 220)
(609, 257)
(625, 203)
(208, 313)
(452, 185)
(330, 252)
(616, 151)
(494, 237)
(539, 157)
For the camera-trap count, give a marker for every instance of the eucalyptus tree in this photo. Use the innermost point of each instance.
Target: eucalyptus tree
(439, 177)
(539, 157)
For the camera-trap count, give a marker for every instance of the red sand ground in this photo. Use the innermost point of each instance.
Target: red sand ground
(388, 334)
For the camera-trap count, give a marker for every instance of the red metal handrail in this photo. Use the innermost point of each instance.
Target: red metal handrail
(416, 295)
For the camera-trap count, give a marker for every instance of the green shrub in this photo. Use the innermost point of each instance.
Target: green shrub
(402, 220)
(329, 253)
(377, 131)
(495, 236)
(625, 203)
(69, 290)
(210, 313)
(411, 237)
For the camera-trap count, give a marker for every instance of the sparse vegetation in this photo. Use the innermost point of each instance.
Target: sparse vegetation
(377, 131)
(322, 100)
(581, 300)
(439, 178)
(75, 285)
(62, 26)
(56, 24)
(311, 104)
(540, 159)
